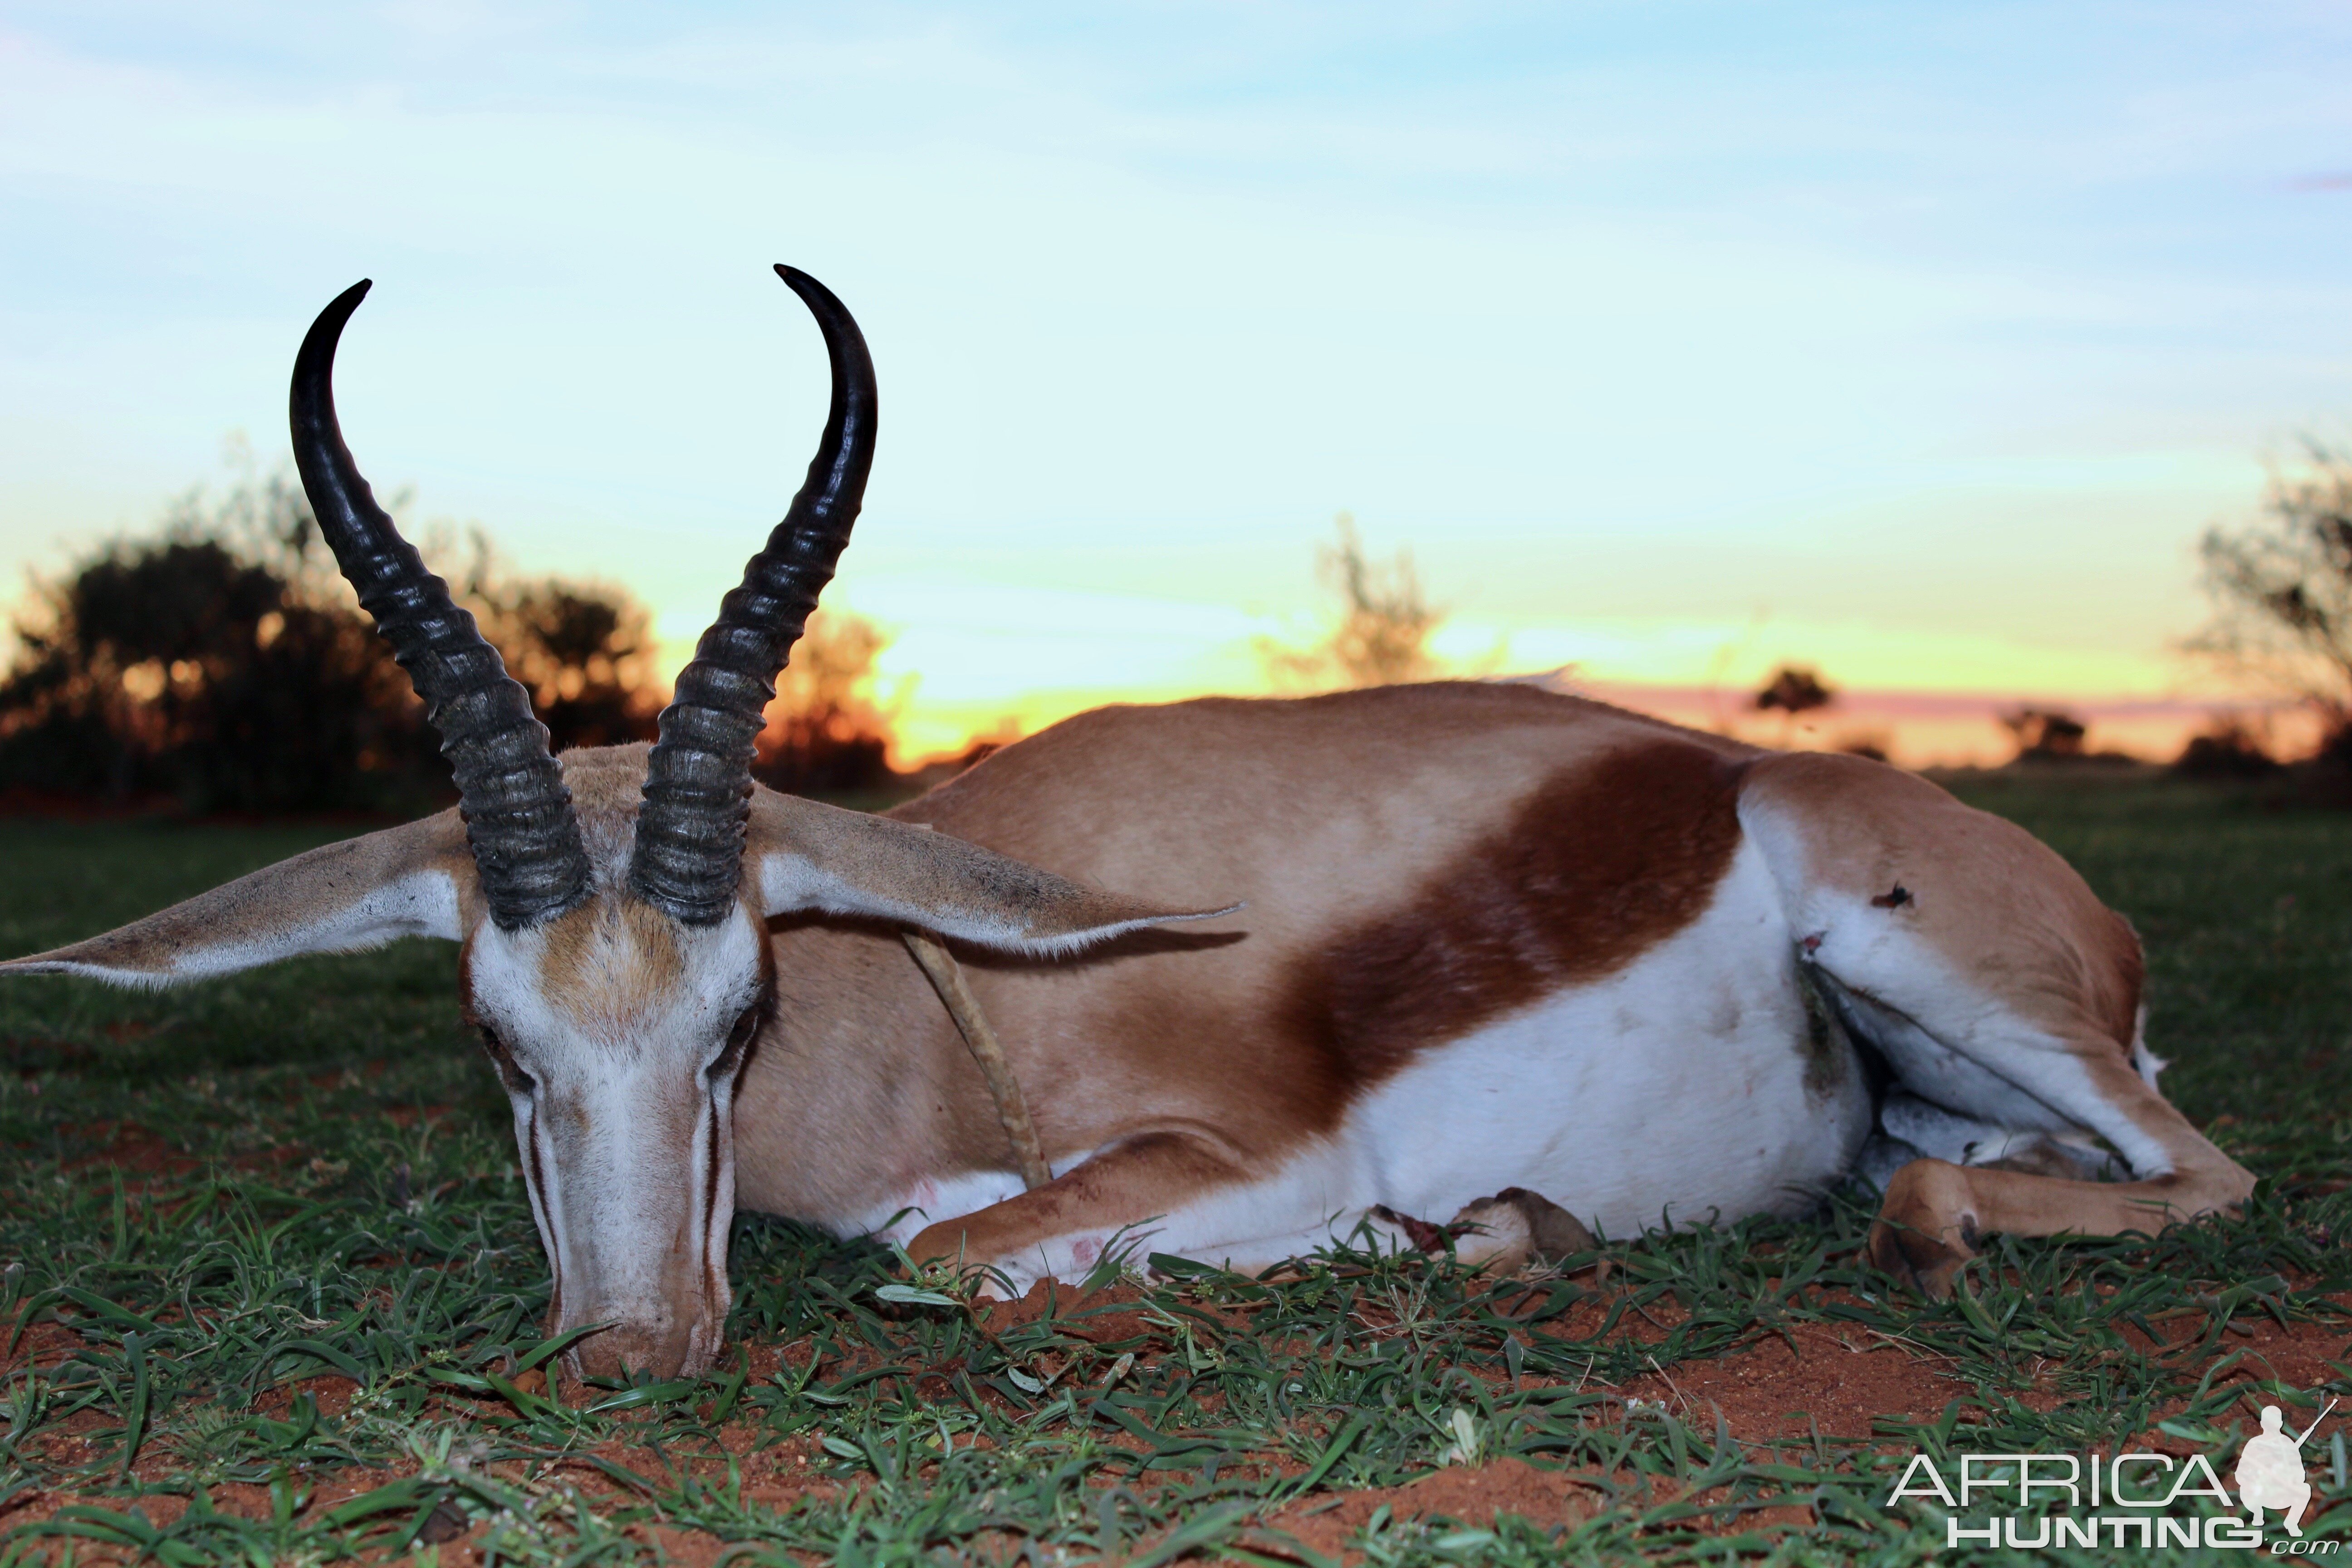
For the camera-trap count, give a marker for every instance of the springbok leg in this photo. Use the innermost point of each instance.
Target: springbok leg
(1995, 985)
(1517, 1227)
(1060, 1229)
(1935, 1212)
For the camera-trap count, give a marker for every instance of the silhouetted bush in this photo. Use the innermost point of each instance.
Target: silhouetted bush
(2228, 750)
(2324, 778)
(584, 651)
(2045, 734)
(225, 666)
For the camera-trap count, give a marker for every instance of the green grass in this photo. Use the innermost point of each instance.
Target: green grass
(210, 1200)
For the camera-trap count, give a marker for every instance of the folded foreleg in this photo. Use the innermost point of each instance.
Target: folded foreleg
(1060, 1230)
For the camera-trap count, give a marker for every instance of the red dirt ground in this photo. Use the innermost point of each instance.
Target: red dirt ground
(1830, 1379)
(1472, 1495)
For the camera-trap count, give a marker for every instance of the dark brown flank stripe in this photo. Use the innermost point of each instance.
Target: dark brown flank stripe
(1598, 865)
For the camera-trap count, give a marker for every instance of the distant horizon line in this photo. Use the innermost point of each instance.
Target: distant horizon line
(1914, 728)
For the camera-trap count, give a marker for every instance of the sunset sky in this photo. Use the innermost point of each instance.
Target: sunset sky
(1917, 342)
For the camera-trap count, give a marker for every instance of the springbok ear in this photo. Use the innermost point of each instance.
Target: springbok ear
(814, 856)
(339, 898)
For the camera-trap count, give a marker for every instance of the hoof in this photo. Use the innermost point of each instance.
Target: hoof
(1925, 1231)
(1424, 1235)
(1926, 1264)
(1515, 1227)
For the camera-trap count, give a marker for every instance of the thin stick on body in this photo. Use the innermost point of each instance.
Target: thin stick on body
(945, 976)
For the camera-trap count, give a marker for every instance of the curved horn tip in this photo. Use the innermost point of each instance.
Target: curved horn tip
(349, 300)
(813, 293)
(318, 344)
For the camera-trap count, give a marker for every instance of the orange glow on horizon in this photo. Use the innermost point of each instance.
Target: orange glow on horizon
(1916, 730)
(957, 667)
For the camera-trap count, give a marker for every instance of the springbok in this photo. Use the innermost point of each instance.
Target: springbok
(1444, 941)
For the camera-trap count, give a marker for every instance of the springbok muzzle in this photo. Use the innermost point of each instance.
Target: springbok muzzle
(634, 1191)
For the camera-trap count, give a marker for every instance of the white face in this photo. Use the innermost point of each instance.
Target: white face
(620, 1035)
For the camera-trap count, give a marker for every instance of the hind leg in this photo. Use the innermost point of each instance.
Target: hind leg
(1501, 1234)
(1997, 987)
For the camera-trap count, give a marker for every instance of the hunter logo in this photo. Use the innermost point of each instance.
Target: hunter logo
(2135, 1499)
(2270, 1472)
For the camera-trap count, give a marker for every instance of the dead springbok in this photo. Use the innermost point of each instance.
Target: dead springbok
(1493, 938)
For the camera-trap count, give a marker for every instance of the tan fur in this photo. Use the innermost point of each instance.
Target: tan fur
(610, 960)
(2009, 916)
(1998, 901)
(1323, 815)
(1148, 1173)
(1596, 866)
(1360, 828)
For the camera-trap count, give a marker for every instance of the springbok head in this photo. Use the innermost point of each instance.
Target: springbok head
(611, 906)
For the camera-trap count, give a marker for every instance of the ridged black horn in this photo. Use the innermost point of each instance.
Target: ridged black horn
(517, 813)
(689, 848)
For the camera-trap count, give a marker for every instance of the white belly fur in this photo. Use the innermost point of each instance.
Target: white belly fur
(1672, 1093)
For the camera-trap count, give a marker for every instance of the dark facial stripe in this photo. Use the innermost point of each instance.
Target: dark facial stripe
(714, 1238)
(710, 1171)
(537, 1180)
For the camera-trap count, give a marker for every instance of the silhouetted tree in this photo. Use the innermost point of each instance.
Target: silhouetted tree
(1382, 637)
(207, 665)
(2044, 733)
(2282, 587)
(1794, 689)
(2227, 751)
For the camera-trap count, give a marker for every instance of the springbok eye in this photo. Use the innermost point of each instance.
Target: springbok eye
(517, 1080)
(738, 1045)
